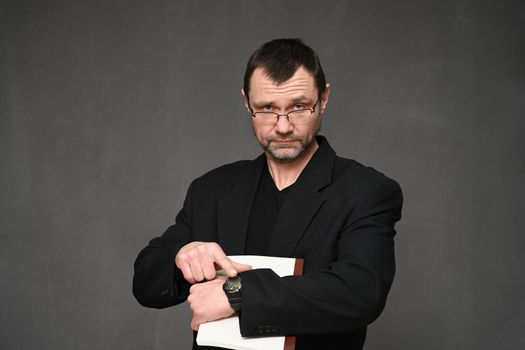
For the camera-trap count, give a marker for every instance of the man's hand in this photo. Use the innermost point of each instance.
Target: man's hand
(199, 261)
(208, 302)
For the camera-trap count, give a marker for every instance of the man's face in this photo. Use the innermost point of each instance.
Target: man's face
(285, 141)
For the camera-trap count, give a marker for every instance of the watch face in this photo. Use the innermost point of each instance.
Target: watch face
(232, 285)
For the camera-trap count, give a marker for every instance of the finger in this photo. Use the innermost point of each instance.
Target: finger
(196, 321)
(186, 272)
(241, 267)
(182, 262)
(196, 270)
(226, 264)
(194, 325)
(208, 268)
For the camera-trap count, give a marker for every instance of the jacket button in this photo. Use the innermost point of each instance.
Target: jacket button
(260, 329)
(275, 329)
(268, 329)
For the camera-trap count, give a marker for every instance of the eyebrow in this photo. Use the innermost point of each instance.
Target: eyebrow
(292, 100)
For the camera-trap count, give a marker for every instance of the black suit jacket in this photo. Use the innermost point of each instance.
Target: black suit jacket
(339, 217)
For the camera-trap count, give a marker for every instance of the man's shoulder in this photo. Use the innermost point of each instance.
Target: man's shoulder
(351, 167)
(358, 175)
(348, 172)
(224, 173)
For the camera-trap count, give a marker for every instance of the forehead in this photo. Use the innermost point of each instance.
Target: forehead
(263, 88)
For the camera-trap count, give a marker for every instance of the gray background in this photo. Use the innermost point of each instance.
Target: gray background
(110, 108)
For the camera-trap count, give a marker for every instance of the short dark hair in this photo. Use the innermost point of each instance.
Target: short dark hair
(280, 59)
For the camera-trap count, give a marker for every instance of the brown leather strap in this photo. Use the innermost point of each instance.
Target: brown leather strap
(289, 342)
(298, 269)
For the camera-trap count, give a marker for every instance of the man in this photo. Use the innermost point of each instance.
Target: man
(298, 199)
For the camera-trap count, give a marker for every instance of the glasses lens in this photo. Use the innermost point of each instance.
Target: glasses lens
(266, 117)
(299, 116)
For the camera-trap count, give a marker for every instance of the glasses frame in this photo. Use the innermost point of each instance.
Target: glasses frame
(287, 115)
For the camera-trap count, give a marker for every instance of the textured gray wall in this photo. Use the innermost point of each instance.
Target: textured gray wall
(110, 108)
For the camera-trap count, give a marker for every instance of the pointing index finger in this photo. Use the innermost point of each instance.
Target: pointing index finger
(226, 264)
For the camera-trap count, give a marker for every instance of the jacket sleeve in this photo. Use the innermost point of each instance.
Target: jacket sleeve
(348, 294)
(157, 282)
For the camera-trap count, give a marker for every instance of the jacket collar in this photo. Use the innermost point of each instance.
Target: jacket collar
(318, 172)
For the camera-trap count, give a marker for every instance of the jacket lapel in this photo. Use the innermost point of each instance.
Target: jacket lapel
(303, 201)
(234, 208)
(297, 212)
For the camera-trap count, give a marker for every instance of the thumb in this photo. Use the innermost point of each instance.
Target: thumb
(241, 267)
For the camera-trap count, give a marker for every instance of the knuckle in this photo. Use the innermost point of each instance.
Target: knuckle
(201, 249)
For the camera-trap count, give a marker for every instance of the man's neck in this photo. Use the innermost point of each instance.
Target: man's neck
(285, 173)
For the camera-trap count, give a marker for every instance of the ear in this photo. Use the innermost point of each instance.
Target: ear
(245, 99)
(325, 98)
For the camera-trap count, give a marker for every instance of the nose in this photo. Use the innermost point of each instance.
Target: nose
(283, 125)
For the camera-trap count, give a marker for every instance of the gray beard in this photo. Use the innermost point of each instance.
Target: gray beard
(296, 153)
(285, 157)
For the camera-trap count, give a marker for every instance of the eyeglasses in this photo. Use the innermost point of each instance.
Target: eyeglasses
(297, 116)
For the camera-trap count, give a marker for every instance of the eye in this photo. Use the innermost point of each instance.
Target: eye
(298, 106)
(267, 107)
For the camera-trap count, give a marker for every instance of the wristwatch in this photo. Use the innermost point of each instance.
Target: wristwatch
(232, 289)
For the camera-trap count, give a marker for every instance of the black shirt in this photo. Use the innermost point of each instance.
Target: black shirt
(265, 210)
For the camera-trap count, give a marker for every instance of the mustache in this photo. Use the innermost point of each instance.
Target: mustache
(281, 140)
